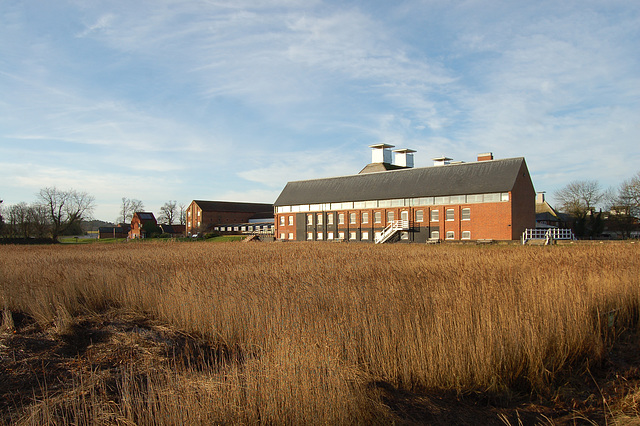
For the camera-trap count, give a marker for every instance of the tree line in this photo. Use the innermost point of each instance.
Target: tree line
(580, 201)
(59, 212)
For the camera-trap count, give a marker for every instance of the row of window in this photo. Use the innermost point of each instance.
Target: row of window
(244, 228)
(399, 202)
(377, 217)
(450, 235)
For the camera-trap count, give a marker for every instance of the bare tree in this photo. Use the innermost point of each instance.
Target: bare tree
(628, 196)
(19, 219)
(64, 208)
(579, 197)
(183, 214)
(128, 207)
(169, 212)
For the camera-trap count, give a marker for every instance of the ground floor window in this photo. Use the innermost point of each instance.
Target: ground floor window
(466, 235)
(365, 235)
(291, 235)
(320, 236)
(329, 235)
(451, 235)
(341, 235)
(282, 235)
(309, 235)
(435, 235)
(352, 235)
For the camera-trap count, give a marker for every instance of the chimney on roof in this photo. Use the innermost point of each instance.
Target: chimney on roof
(380, 153)
(441, 161)
(540, 197)
(485, 156)
(404, 157)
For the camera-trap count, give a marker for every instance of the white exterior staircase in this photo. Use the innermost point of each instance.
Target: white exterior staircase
(392, 229)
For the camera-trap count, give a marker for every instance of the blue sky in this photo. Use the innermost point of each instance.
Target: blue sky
(228, 100)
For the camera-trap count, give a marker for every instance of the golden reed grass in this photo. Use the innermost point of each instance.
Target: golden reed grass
(310, 326)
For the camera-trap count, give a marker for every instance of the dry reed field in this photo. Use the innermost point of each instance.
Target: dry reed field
(197, 333)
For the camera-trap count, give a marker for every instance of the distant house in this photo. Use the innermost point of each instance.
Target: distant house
(141, 224)
(119, 231)
(203, 216)
(547, 216)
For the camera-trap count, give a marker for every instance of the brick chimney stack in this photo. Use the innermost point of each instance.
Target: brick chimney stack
(486, 156)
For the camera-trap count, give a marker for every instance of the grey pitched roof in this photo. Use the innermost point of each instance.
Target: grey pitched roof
(231, 206)
(455, 179)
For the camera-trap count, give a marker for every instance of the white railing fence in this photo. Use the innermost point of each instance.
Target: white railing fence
(548, 235)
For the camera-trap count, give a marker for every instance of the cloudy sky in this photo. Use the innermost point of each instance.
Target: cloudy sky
(228, 100)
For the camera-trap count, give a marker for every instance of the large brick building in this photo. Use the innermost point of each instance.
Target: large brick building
(203, 216)
(484, 199)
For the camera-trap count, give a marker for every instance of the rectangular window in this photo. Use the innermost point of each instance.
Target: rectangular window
(330, 219)
(365, 217)
(450, 214)
(290, 220)
(450, 235)
(435, 215)
(282, 235)
(319, 220)
(281, 220)
(291, 235)
(504, 196)
(341, 235)
(359, 205)
(390, 216)
(365, 235)
(329, 235)
(466, 214)
(442, 200)
(309, 235)
(309, 219)
(475, 198)
(419, 215)
(377, 217)
(435, 235)
(466, 235)
(352, 218)
(457, 199)
(491, 198)
(320, 236)
(340, 218)
(352, 235)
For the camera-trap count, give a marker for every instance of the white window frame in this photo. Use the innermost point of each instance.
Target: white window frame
(353, 235)
(320, 236)
(340, 218)
(309, 218)
(329, 218)
(310, 236)
(365, 217)
(290, 220)
(329, 235)
(377, 217)
(353, 218)
(319, 219)
(466, 235)
(451, 212)
(451, 235)
(465, 212)
(435, 235)
(435, 216)
(365, 235)
(421, 213)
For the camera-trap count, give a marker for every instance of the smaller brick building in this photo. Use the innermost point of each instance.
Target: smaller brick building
(141, 223)
(204, 216)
